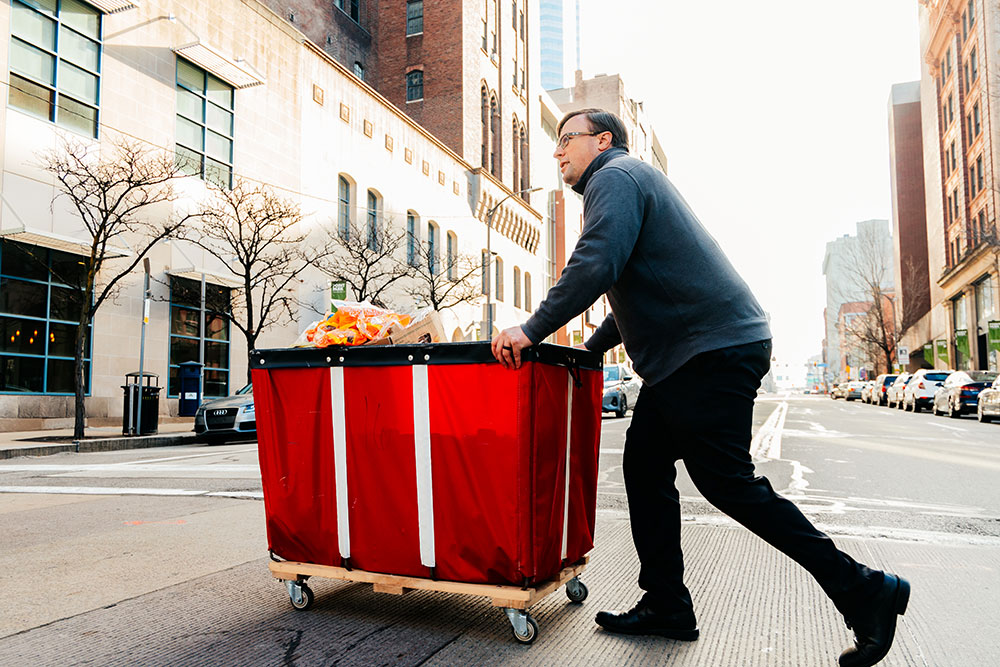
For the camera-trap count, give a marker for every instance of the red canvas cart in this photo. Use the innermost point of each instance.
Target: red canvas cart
(430, 467)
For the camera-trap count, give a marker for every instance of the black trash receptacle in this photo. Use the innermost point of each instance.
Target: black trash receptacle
(141, 416)
(189, 381)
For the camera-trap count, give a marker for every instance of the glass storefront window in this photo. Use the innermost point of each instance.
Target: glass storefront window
(40, 307)
(185, 335)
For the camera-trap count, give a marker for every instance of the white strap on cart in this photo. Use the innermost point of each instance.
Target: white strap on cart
(569, 440)
(340, 458)
(422, 449)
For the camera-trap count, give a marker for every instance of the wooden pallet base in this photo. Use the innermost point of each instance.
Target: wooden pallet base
(513, 597)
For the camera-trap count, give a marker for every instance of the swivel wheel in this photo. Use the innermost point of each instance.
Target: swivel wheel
(576, 590)
(523, 626)
(300, 595)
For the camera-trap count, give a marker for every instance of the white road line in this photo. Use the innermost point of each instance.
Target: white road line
(124, 491)
(187, 456)
(766, 444)
(950, 428)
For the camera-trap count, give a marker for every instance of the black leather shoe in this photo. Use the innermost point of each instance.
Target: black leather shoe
(642, 620)
(875, 627)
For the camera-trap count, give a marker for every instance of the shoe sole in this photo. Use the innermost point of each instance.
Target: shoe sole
(680, 635)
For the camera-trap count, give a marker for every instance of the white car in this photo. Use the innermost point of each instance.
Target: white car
(894, 394)
(919, 391)
(621, 389)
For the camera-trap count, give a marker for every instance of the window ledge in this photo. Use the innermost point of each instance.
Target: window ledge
(420, 99)
(415, 34)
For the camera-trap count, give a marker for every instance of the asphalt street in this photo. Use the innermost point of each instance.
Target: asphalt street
(159, 557)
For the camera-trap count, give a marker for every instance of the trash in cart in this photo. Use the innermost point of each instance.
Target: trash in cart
(463, 478)
(354, 323)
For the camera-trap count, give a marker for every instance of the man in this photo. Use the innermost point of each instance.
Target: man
(701, 342)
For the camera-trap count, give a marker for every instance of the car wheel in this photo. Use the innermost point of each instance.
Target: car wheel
(624, 408)
(952, 412)
(983, 416)
(916, 408)
(934, 409)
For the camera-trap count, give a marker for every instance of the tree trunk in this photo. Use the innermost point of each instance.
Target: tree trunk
(79, 408)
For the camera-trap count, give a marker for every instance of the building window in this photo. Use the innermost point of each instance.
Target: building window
(973, 64)
(513, 15)
(432, 248)
(372, 226)
(451, 256)
(41, 300)
(185, 333)
(414, 85)
(516, 161)
(947, 61)
(954, 159)
(204, 125)
(359, 70)
(972, 13)
(55, 62)
(349, 7)
(412, 238)
(979, 173)
(344, 208)
(517, 287)
(527, 291)
(495, 137)
(954, 204)
(521, 18)
(975, 119)
(972, 182)
(498, 279)
(951, 108)
(486, 126)
(525, 172)
(414, 17)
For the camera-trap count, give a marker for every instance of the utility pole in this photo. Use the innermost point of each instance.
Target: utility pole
(142, 343)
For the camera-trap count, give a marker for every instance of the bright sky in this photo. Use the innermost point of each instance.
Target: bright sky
(773, 115)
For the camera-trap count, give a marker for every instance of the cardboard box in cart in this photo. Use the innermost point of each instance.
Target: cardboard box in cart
(430, 461)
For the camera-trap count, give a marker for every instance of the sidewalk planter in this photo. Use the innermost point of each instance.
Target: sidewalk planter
(430, 461)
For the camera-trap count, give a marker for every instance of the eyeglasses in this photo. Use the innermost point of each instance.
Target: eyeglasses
(564, 139)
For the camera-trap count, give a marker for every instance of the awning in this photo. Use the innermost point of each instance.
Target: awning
(60, 242)
(238, 73)
(113, 6)
(195, 274)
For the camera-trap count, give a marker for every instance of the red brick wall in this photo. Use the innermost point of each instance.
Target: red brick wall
(909, 204)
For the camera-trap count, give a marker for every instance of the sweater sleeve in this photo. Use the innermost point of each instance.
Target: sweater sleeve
(613, 214)
(605, 336)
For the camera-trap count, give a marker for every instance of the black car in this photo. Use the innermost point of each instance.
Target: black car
(959, 394)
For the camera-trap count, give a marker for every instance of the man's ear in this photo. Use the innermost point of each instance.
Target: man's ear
(604, 141)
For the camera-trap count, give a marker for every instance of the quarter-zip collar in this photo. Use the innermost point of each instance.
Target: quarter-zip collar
(596, 164)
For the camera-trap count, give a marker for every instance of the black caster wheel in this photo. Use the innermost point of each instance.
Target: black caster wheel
(530, 632)
(576, 590)
(300, 595)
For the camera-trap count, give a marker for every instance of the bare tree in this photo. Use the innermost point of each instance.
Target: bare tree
(118, 197)
(257, 236)
(368, 259)
(443, 283)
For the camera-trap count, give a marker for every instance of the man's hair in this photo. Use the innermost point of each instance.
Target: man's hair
(601, 121)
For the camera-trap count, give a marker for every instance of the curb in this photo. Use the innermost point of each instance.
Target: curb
(102, 445)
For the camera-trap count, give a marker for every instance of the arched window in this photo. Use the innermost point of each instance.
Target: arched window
(516, 160)
(344, 208)
(452, 255)
(495, 137)
(412, 238)
(432, 248)
(498, 288)
(525, 173)
(527, 291)
(517, 287)
(373, 219)
(486, 124)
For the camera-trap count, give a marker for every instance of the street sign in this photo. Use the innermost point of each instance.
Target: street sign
(994, 335)
(942, 350)
(903, 354)
(962, 341)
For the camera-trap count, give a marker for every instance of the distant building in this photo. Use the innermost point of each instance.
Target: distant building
(844, 286)
(559, 28)
(958, 43)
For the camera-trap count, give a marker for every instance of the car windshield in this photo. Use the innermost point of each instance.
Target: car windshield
(889, 379)
(245, 390)
(982, 376)
(611, 374)
(936, 377)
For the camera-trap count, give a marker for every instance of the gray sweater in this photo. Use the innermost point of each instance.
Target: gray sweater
(672, 291)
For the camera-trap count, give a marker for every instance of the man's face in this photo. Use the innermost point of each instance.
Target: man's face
(580, 150)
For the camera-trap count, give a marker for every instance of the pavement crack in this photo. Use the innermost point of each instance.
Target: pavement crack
(438, 650)
(293, 643)
(361, 639)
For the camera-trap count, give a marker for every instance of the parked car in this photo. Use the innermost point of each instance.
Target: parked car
(894, 394)
(837, 391)
(868, 392)
(882, 384)
(229, 418)
(989, 402)
(621, 389)
(960, 392)
(853, 391)
(919, 391)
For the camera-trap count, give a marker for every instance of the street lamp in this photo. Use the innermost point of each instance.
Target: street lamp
(489, 258)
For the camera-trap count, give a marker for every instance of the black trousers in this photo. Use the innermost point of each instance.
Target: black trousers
(703, 415)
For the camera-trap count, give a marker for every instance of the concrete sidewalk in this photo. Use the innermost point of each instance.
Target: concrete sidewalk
(755, 607)
(98, 439)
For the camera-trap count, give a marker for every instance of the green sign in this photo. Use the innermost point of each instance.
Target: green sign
(338, 290)
(994, 336)
(942, 350)
(962, 341)
(929, 353)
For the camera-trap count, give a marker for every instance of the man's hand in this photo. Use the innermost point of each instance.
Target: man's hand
(508, 344)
